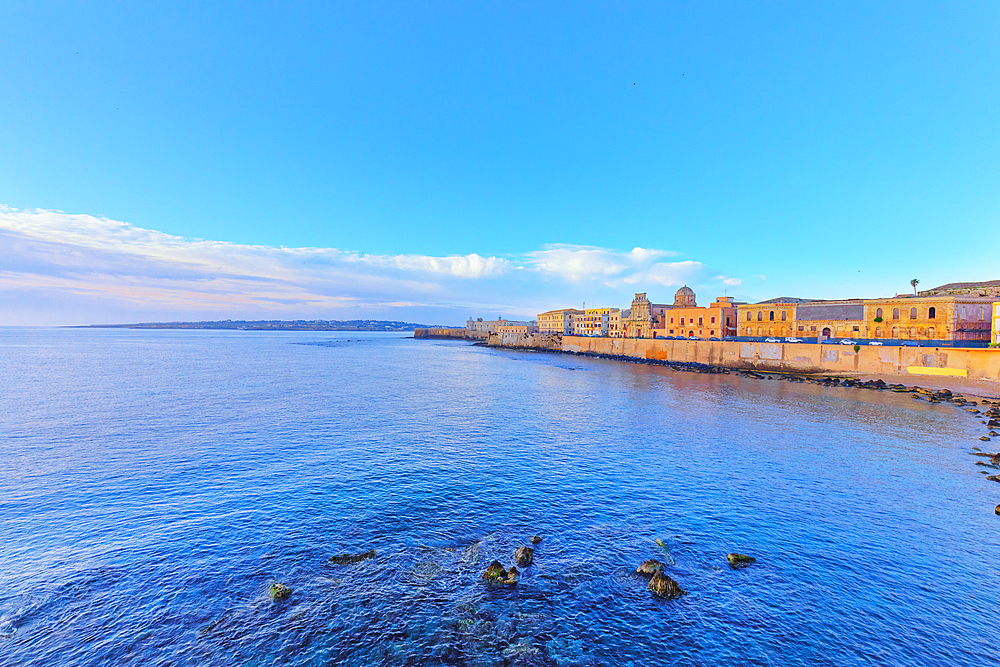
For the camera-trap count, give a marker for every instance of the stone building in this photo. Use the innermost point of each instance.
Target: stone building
(686, 319)
(561, 321)
(946, 318)
(639, 323)
(481, 329)
(996, 324)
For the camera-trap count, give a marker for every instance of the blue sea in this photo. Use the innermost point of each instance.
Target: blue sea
(154, 484)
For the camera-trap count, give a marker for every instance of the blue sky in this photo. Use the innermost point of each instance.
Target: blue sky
(431, 161)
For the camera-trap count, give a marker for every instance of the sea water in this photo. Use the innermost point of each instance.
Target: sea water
(154, 484)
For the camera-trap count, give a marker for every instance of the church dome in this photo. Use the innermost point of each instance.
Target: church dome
(684, 297)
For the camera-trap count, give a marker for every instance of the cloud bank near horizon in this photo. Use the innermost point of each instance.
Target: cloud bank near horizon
(60, 268)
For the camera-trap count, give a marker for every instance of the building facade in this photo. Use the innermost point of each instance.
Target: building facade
(946, 318)
(639, 323)
(996, 324)
(594, 322)
(715, 321)
(559, 321)
(479, 327)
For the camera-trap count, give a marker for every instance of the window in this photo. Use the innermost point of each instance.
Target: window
(671, 320)
(878, 332)
(913, 313)
(895, 313)
(760, 315)
(878, 312)
(701, 321)
(727, 321)
(682, 320)
(772, 315)
(802, 328)
(812, 328)
(711, 332)
(857, 328)
(748, 317)
(931, 313)
(930, 332)
(713, 320)
(784, 316)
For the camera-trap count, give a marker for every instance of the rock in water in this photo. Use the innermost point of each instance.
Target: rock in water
(997, 510)
(536, 539)
(664, 586)
(511, 576)
(279, 591)
(995, 459)
(347, 559)
(524, 556)
(495, 572)
(984, 438)
(740, 560)
(649, 568)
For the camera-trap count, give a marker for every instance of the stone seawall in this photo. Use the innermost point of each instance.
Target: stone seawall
(454, 334)
(531, 341)
(970, 363)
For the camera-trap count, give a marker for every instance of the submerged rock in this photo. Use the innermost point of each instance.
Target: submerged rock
(495, 572)
(737, 561)
(649, 568)
(997, 510)
(279, 591)
(347, 559)
(665, 587)
(984, 438)
(995, 459)
(524, 556)
(536, 539)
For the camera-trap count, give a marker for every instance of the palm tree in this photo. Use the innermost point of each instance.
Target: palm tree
(913, 283)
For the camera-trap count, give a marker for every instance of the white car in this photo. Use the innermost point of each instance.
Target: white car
(771, 340)
(875, 342)
(793, 340)
(847, 342)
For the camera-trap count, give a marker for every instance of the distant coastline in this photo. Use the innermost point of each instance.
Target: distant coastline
(269, 325)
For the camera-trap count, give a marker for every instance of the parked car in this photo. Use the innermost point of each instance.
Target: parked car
(729, 338)
(793, 340)
(714, 338)
(909, 343)
(693, 338)
(875, 342)
(771, 340)
(847, 342)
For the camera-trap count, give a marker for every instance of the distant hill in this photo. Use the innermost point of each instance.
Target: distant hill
(274, 325)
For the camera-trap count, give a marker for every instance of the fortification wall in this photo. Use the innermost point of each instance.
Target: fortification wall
(439, 333)
(972, 363)
(535, 341)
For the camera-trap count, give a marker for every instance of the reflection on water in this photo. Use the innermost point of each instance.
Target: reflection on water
(154, 484)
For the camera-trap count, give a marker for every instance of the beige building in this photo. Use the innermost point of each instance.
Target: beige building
(639, 323)
(559, 321)
(479, 328)
(996, 324)
(945, 318)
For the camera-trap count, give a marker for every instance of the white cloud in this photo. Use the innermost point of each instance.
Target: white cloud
(732, 282)
(578, 262)
(81, 268)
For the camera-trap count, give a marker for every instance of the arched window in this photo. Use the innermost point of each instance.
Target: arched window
(772, 315)
(913, 333)
(930, 333)
(878, 332)
(760, 315)
(784, 315)
(759, 331)
(895, 332)
(913, 313)
(931, 313)
(895, 313)
(748, 317)
(878, 312)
